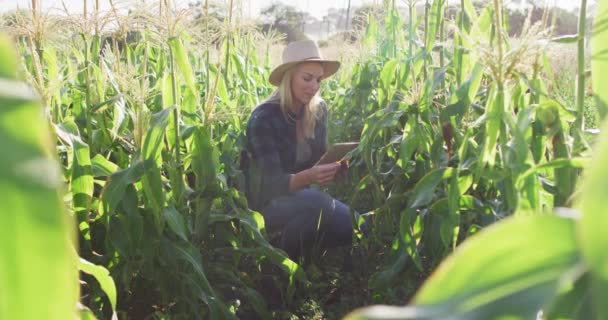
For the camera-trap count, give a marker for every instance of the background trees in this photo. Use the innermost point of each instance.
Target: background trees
(286, 19)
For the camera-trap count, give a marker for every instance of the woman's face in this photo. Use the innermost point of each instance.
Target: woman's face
(305, 82)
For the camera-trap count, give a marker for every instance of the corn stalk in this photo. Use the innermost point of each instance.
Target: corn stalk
(579, 125)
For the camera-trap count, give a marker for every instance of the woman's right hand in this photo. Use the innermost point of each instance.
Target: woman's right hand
(323, 174)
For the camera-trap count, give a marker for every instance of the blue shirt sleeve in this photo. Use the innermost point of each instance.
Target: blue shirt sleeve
(273, 180)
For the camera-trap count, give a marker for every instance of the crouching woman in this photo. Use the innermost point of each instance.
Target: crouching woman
(286, 136)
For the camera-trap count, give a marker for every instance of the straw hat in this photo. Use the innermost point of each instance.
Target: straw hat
(298, 52)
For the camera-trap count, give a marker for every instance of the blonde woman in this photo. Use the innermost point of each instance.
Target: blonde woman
(286, 136)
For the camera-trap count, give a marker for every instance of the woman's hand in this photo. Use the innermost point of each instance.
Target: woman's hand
(323, 174)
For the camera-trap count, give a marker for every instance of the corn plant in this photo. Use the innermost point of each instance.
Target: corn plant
(38, 257)
(550, 267)
(456, 141)
(37, 254)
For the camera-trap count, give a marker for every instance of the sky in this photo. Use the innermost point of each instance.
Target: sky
(317, 8)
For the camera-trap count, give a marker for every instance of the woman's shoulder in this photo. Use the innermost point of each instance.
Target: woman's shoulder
(266, 109)
(264, 115)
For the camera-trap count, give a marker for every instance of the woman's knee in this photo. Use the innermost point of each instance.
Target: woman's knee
(333, 216)
(318, 202)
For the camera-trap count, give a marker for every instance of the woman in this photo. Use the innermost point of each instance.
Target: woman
(286, 136)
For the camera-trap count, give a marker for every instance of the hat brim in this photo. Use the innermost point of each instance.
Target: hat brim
(330, 67)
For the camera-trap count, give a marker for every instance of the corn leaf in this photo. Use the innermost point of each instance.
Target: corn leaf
(494, 110)
(192, 258)
(117, 183)
(592, 231)
(102, 167)
(436, 16)
(38, 271)
(82, 178)
(599, 57)
(102, 275)
(151, 156)
(180, 57)
(515, 279)
(425, 188)
(176, 222)
(205, 158)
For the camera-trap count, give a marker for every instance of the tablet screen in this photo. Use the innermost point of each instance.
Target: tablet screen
(337, 152)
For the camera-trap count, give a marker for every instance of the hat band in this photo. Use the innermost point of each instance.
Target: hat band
(304, 59)
(315, 58)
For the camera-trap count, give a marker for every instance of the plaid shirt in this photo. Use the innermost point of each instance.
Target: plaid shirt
(271, 144)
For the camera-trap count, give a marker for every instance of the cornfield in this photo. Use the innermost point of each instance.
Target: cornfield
(123, 194)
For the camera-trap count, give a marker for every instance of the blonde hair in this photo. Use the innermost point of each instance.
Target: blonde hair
(312, 112)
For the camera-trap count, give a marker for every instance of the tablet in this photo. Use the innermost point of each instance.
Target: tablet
(337, 152)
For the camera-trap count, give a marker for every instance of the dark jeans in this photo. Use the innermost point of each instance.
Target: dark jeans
(308, 218)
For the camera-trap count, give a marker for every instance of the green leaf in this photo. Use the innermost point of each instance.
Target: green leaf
(151, 155)
(494, 114)
(425, 188)
(469, 9)
(81, 171)
(551, 111)
(450, 221)
(465, 202)
(102, 167)
(85, 313)
(478, 283)
(386, 277)
(239, 63)
(102, 275)
(592, 228)
(166, 89)
(388, 74)
(8, 67)
(38, 267)
(554, 164)
(574, 302)
(117, 183)
(254, 222)
(181, 59)
(462, 98)
(454, 195)
(510, 270)
(407, 237)
(565, 39)
(371, 33)
(465, 181)
(435, 19)
(254, 298)
(222, 90)
(205, 158)
(82, 178)
(119, 235)
(409, 142)
(192, 257)
(151, 148)
(483, 24)
(599, 57)
(119, 116)
(175, 221)
(52, 65)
